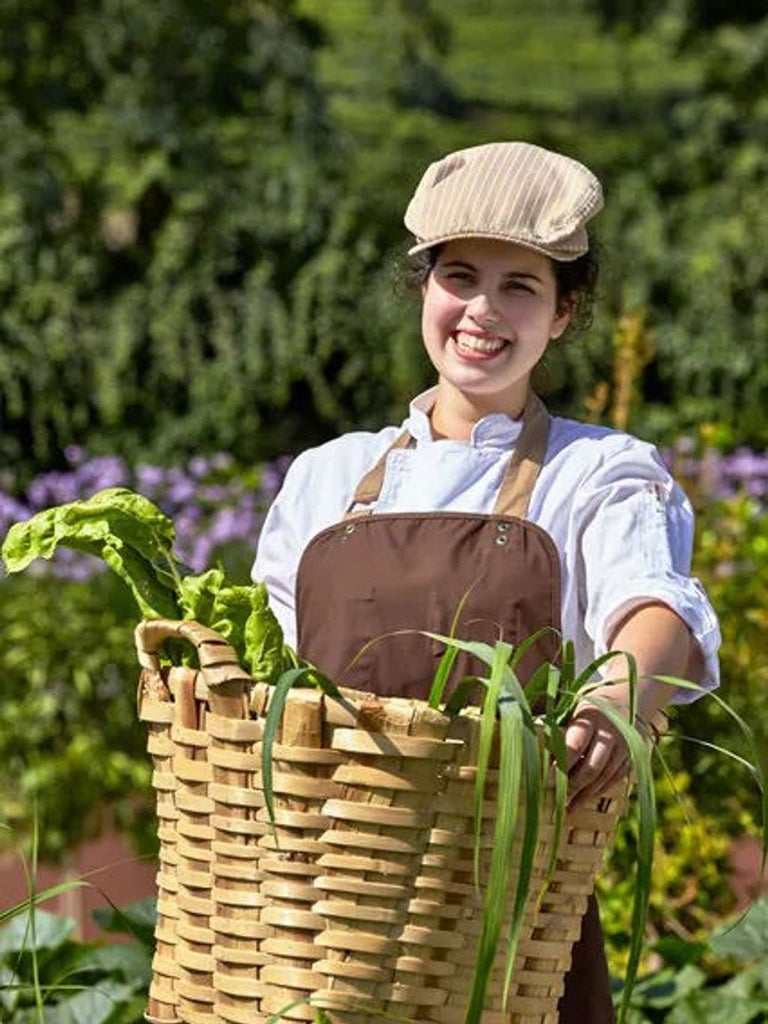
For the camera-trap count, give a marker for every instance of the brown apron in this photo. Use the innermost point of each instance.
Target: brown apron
(389, 576)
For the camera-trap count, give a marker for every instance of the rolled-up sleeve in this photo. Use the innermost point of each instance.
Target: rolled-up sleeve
(636, 539)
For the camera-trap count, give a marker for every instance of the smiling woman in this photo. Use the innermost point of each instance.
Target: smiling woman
(482, 501)
(490, 310)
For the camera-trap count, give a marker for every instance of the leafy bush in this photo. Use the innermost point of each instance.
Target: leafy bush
(43, 969)
(69, 738)
(731, 987)
(688, 896)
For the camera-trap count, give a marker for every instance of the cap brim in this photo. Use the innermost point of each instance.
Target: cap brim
(561, 255)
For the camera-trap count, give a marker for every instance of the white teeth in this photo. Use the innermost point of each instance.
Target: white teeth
(487, 345)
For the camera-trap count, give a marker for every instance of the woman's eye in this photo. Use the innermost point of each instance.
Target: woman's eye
(519, 286)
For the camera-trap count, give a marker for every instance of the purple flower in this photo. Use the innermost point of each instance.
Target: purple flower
(11, 511)
(746, 463)
(213, 493)
(149, 477)
(199, 466)
(74, 454)
(101, 472)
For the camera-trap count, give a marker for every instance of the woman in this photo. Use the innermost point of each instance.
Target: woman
(482, 501)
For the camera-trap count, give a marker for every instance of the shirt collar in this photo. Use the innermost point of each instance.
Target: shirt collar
(497, 430)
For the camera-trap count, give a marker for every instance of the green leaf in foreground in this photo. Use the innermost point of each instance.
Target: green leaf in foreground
(197, 595)
(125, 529)
(51, 930)
(747, 938)
(283, 687)
(495, 903)
(640, 755)
(264, 653)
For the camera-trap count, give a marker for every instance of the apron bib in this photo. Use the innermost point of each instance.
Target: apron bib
(367, 587)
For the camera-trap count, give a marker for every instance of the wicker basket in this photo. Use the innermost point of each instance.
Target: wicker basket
(363, 899)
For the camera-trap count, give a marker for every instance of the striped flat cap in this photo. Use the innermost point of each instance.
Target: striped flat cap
(509, 190)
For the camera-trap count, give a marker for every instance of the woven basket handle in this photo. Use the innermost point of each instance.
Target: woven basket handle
(226, 683)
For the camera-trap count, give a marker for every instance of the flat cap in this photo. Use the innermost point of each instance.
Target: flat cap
(509, 190)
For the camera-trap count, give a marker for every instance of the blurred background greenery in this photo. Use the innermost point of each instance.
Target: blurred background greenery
(201, 249)
(201, 207)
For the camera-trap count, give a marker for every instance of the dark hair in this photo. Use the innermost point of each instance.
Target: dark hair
(576, 280)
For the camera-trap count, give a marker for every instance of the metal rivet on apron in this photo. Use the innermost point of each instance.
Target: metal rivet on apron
(501, 539)
(350, 528)
(503, 527)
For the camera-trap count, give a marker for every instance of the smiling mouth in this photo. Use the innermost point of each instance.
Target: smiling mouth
(478, 345)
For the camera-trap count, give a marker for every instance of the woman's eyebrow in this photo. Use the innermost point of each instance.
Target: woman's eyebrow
(510, 273)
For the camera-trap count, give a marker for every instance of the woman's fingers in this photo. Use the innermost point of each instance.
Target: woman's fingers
(596, 756)
(578, 737)
(616, 768)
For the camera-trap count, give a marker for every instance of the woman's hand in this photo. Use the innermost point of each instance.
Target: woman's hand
(661, 644)
(597, 756)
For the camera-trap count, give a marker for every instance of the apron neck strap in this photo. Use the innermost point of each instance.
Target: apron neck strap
(526, 462)
(519, 479)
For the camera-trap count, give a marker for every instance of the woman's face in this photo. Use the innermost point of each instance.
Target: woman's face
(490, 309)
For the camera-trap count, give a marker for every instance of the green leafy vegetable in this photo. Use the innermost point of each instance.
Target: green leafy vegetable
(264, 648)
(197, 594)
(123, 528)
(135, 539)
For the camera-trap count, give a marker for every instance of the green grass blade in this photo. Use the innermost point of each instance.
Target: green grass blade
(41, 896)
(316, 678)
(495, 903)
(531, 776)
(280, 1014)
(449, 656)
(573, 689)
(282, 687)
(758, 750)
(463, 694)
(499, 660)
(484, 652)
(554, 685)
(721, 750)
(568, 662)
(442, 674)
(554, 737)
(538, 685)
(640, 755)
(525, 645)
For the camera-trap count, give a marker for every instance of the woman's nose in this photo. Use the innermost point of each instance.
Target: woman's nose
(481, 309)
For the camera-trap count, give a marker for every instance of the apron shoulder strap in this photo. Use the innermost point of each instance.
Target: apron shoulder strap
(369, 488)
(519, 479)
(526, 461)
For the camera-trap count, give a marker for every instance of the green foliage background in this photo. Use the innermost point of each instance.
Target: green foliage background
(200, 207)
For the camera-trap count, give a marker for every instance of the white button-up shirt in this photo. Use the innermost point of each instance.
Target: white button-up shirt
(622, 526)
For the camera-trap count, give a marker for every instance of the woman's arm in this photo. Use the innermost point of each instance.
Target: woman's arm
(661, 644)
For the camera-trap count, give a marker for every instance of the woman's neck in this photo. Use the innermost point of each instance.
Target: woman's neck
(455, 413)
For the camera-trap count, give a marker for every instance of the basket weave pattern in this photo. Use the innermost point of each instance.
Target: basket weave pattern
(362, 897)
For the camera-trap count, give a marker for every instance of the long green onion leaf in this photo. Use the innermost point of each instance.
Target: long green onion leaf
(271, 725)
(499, 661)
(511, 728)
(759, 751)
(555, 743)
(449, 656)
(524, 646)
(532, 786)
(640, 755)
(462, 694)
